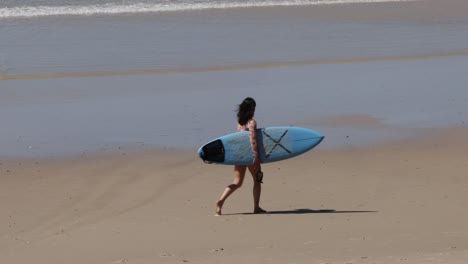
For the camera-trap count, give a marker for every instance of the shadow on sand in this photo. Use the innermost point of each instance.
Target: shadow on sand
(307, 211)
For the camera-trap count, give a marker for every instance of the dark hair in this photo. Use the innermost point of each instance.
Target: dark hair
(246, 111)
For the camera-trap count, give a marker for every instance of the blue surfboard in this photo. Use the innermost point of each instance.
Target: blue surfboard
(274, 143)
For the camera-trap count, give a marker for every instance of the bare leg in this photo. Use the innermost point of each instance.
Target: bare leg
(257, 191)
(239, 173)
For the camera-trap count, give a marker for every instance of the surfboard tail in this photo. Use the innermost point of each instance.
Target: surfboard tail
(212, 152)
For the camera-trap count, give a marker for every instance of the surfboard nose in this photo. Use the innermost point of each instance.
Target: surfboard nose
(321, 138)
(317, 139)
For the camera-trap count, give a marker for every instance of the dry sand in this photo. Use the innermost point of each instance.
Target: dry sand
(400, 202)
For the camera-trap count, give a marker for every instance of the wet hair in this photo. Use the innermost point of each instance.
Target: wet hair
(246, 111)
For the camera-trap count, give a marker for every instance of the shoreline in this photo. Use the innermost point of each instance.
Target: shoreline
(415, 10)
(266, 65)
(418, 138)
(115, 10)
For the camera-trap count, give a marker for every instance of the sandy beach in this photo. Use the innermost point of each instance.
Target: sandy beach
(390, 203)
(98, 143)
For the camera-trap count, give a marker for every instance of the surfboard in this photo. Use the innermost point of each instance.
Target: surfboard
(274, 144)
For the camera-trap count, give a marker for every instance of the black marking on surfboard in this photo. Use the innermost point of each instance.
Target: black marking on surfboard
(277, 143)
(213, 152)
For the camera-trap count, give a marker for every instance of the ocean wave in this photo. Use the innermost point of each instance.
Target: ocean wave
(135, 8)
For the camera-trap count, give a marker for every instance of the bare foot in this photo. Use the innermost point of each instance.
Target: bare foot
(219, 206)
(259, 211)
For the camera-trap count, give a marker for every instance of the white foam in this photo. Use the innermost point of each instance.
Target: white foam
(110, 9)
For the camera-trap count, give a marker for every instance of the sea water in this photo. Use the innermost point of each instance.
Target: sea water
(84, 76)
